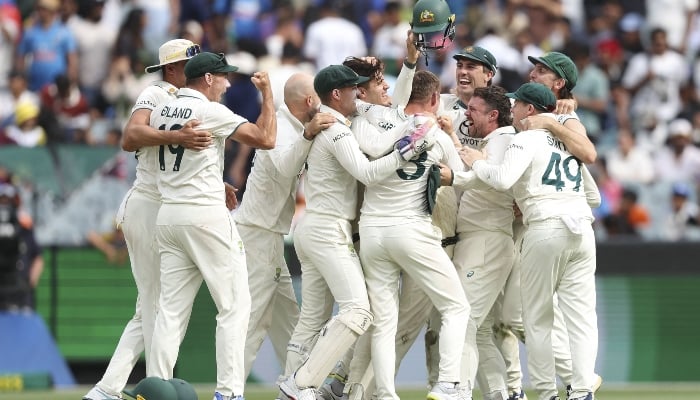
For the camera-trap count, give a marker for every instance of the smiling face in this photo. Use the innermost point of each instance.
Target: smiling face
(375, 91)
(470, 75)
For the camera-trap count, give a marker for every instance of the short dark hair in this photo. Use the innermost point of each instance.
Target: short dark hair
(364, 68)
(496, 99)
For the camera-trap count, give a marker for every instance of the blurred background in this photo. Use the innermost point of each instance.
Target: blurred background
(67, 89)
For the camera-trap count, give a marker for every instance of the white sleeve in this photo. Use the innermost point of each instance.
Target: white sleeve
(373, 141)
(590, 188)
(518, 157)
(347, 152)
(403, 86)
(289, 156)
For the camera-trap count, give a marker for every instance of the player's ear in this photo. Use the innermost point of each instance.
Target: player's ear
(361, 93)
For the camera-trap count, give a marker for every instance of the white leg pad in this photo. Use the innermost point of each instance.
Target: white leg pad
(339, 334)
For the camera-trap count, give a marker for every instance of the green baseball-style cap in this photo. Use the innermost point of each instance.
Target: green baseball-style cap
(561, 64)
(536, 94)
(207, 62)
(336, 77)
(184, 390)
(478, 54)
(153, 388)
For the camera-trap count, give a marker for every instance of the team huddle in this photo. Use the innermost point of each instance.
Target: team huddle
(467, 215)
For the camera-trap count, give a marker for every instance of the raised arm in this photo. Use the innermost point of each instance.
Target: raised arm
(263, 133)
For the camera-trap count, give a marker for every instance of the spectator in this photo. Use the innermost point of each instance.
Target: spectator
(49, 46)
(390, 40)
(21, 262)
(287, 32)
(674, 17)
(94, 41)
(685, 217)
(630, 218)
(679, 161)
(71, 108)
(592, 91)
(332, 38)
(16, 93)
(629, 163)
(26, 132)
(10, 30)
(653, 79)
(290, 63)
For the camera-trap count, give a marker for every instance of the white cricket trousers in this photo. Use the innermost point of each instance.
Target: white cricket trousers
(201, 243)
(483, 260)
(330, 272)
(274, 309)
(415, 248)
(137, 216)
(555, 260)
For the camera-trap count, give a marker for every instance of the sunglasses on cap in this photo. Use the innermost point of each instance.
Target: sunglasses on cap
(188, 52)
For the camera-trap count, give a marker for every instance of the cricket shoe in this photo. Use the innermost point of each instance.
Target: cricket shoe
(446, 391)
(98, 394)
(589, 396)
(332, 389)
(518, 395)
(596, 385)
(291, 390)
(219, 396)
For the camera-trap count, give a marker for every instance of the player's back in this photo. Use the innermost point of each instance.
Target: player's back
(552, 185)
(187, 176)
(401, 197)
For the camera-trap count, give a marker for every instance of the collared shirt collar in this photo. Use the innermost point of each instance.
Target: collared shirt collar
(188, 92)
(340, 117)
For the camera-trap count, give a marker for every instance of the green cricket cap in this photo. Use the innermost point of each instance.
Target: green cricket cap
(536, 94)
(153, 388)
(184, 390)
(561, 64)
(336, 77)
(479, 54)
(207, 62)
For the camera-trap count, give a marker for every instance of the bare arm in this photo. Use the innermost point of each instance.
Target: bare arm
(263, 133)
(571, 132)
(138, 133)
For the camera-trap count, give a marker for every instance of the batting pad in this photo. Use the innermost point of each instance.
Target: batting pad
(334, 340)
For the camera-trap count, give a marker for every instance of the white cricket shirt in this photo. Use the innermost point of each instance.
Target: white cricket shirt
(270, 195)
(546, 179)
(187, 176)
(481, 207)
(334, 164)
(401, 197)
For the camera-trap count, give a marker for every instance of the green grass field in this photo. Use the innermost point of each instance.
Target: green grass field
(632, 392)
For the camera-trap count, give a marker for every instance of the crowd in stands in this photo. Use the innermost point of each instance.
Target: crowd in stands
(71, 70)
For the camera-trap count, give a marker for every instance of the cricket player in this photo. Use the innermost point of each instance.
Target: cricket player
(137, 213)
(265, 216)
(398, 235)
(196, 234)
(323, 238)
(559, 73)
(558, 253)
(485, 252)
(374, 142)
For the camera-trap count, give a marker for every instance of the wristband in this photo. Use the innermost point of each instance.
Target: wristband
(408, 64)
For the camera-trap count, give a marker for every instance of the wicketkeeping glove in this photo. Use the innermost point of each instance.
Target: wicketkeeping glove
(422, 137)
